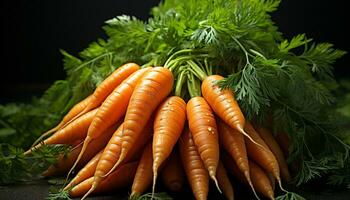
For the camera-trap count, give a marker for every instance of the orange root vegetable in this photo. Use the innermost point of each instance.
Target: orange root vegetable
(283, 141)
(173, 175)
(143, 177)
(224, 182)
(168, 125)
(224, 104)
(195, 170)
(149, 92)
(267, 136)
(73, 112)
(261, 181)
(120, 178)
(76, 130)
(263, 156)
(202, 125)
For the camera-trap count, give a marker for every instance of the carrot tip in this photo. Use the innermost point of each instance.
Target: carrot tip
(216, 183)
(155, 174)
(252, 187)
(280, 185)
(93, 187)
(250, 138)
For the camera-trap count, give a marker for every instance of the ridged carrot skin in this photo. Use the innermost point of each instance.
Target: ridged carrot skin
(86, 172)
(149, 92)
(224, 182)
(173, 174)
(267, 136)
(143, 177)
(195, 170)
(168, 125)
(203, 127)
(120, 178)
(262, 156)
(76, 130)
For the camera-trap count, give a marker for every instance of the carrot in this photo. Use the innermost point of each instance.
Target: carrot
(168, 125)
(195, 170)
(284, 142)
(261, 180)
(263, 156)
(86, 172)
(173, 174)
(75, 110)
(72, 132)
(112, 109)
(150, 91)
(108, 85)
(202, 125)
(224, 104)
(224, 182)
(143, 176)
(122, 177)
(267, 136)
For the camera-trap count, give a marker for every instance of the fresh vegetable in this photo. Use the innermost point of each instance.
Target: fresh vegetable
(224, 182)
(173, 174)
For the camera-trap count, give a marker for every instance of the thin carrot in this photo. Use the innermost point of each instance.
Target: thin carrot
(72, 132)
(173, 174)
(112, 109)
(168, 124)
(74, 111)
(224, 104)
(267, 136)
(108, 85)
(263, 156)
(120, 178)
(150, 91)
(195, 170)
(261, 180)
(143, 176)
(224, 182)
(202, 125)
(284, 142)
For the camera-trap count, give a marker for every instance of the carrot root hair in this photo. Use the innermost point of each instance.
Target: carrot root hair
(250, 138)
(216, 182)
(155, 174)
(93, 187)
(280, 185)
(46, 134)
(252, 187)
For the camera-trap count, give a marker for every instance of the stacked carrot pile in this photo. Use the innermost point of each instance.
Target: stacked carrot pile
(132, 130)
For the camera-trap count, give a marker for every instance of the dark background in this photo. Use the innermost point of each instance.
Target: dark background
(33, 31)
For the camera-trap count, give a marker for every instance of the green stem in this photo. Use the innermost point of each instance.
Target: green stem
(176, 53)
(198, 71)
(92, 60)
(179, 82)
(193, 86)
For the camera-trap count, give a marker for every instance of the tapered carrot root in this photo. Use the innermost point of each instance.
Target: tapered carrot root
(173, 174)
(261, 180)
(122, 177)
(284, 142)
(267, 136)
(202, 125)
(224, 104)
(168, 126)
(70, 115)
(263, 156)
(72, 132)
(143, 177)
(149, 92)
(224, 182)
(195, 170)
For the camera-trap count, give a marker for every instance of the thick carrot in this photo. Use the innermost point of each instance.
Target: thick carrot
(168, 124)
(143, 176)
(72, 132)
(109, 84)
(120, 178)
(112, 109)
(263, 156)
(195, 170)
(202, 125)
(149, 92)
(224, 182)
(173, 175)
(74, 111)
(267, 136)
(224, 104)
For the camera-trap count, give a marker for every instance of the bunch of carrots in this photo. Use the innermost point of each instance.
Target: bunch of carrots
(131, 130)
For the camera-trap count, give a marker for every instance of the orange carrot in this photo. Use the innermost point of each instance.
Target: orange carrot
(112, 109)
(267, 136)
(122, 177)
(143, 176)
(202, 125)
(149, 92)
(196, 172)
(74, 111)
(173, 174)
(224, 104)
(72, 132)
(224, 182)
(263, 156)
(168, 125)
(283, 141)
